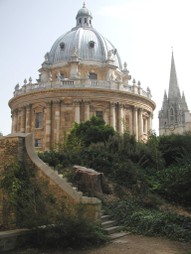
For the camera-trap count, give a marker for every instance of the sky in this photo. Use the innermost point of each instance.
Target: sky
(143, 31)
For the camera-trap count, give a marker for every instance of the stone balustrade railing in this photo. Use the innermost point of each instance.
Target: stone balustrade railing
(81, 83)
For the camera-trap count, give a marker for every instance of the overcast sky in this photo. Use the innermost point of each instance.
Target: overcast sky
(143, 31)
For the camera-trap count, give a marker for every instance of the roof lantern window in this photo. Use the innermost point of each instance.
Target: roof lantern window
(84, 17)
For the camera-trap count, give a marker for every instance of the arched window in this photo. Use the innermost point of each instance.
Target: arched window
(38, 120)
(37, 143)
(171, 114)
(99, 114)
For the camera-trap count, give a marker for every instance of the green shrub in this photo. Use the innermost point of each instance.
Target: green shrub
(72, 230)
(152, 222)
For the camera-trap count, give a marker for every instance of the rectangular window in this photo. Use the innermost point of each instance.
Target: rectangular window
(37, 143)
(38, 123)
(99, 114)
(93, 75)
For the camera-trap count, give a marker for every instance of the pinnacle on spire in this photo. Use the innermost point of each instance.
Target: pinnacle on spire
(174, 91)
(165, 96)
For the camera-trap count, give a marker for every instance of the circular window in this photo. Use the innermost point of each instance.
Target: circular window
(92, 44)
(62, 45)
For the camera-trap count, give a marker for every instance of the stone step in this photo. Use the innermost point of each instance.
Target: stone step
(108, 223)
(117, 235)
(113, 229)
(105, 217)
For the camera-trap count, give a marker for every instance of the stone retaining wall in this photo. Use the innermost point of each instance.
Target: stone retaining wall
(20, 147)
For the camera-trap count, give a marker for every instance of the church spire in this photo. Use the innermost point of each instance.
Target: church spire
(174, 91)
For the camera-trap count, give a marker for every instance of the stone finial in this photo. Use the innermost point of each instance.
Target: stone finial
(134, 82)
(50, 76)
(25, 81)
(17, 87)
(46, 57)
(30, 80)
(139, 83)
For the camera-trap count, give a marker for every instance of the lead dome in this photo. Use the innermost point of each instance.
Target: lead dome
(84, 41)
(81, 77)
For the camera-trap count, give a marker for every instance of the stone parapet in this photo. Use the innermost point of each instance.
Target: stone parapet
(81, 83)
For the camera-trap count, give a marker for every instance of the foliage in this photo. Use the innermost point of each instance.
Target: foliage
(161, 165)
(69, 230)
(151, 222)
(176, 184)
(92, 131)
(175, 148)
(24, 197)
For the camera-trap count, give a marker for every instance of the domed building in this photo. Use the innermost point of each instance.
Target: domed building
(81, 76)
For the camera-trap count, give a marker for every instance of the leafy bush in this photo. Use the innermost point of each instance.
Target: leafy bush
(92, 131)
(175, 148)
(152, 222)
(72, 230)
(176, 184)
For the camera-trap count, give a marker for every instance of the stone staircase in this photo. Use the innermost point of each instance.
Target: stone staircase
(114, 231)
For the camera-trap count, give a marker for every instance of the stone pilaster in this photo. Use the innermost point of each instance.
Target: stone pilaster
(86, 110)
(113, 115)
(77, 111)
(48, 125)
(28, 118)
(131, 122)
(23, 119)
(140, 125)
(150, 121)
(14, 121)
(135, 122)
(121, 119)
(56, 117)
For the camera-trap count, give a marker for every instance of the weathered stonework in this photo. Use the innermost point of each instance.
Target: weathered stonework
(82, 76)
(21, 147)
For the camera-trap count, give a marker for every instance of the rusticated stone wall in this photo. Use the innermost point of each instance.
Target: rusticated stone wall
(20, 147)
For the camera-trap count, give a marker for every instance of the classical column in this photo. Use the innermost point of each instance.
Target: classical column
(112, 115)
(135, 123)
(150, 120)
(86, 110)
(77, 111)
(147, 125)
(131, 122)
(23, 113)
(28, 118)
(48, 125)
(121, 119)
(14, 121)
(56, 105)
(140, 125)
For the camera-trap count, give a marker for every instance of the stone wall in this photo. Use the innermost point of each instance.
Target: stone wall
(20, 147)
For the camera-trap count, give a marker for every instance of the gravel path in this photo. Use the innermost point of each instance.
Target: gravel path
(133, 244)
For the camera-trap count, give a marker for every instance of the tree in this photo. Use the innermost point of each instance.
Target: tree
(94, 130)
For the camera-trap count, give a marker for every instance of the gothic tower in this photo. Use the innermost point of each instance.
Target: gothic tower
(174, 116)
